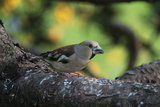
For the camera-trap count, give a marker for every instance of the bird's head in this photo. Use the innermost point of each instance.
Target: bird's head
(89, 48)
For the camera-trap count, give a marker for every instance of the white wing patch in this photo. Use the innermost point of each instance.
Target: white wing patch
(62, 57)
(50, 55)
(57, 55)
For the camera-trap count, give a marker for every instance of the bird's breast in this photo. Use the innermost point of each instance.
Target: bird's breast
(75, 64)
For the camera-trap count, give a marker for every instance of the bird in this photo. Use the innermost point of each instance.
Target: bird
(74, 57)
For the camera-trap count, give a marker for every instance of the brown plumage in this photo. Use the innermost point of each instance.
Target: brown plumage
(73, 58)
(67, 50)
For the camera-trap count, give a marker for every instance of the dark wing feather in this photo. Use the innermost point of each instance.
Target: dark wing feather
(58, 54)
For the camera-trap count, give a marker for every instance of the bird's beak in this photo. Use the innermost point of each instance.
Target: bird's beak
(98, 50)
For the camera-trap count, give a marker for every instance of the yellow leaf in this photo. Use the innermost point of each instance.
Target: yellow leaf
(94, 67)
(11, 4)
(115, 56)
(55, 34)
(64, 13)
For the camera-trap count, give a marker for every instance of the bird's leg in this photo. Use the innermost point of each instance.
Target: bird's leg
(77, 73)
(72, 74)
(68, 74)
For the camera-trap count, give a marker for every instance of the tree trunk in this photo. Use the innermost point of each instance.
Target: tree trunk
(31, 83)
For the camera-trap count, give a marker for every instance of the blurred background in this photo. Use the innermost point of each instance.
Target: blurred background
(127, 32)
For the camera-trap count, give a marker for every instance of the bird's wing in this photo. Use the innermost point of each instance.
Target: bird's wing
(60, 55)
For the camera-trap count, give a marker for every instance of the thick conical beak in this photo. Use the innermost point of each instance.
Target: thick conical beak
(98, 50)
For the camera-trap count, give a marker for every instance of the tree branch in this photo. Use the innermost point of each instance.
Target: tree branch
(29, 83)
(133, 45)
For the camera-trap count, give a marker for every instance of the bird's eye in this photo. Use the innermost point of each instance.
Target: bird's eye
(90, 45)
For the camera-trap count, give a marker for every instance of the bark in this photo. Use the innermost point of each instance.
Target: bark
(148, 73)
(31, 83)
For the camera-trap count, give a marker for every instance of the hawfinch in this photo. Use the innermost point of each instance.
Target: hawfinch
(72, 58)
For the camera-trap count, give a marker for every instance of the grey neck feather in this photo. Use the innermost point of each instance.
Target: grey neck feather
(80, 53)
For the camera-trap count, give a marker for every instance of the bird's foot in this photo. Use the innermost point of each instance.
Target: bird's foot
(77, 73)
(72, 74)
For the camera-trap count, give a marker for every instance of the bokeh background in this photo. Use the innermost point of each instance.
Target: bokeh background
(128, 32)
